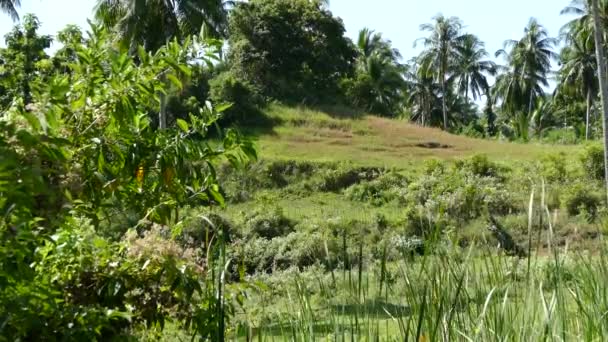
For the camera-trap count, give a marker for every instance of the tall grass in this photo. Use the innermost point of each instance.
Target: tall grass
(553, 294)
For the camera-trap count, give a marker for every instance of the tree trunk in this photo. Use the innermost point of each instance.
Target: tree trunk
(601, 63)
(587, 123)
(528, 118)
(162, 113)
(445, 111)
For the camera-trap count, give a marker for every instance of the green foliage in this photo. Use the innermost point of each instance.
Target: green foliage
(151, 24)
(592, 159)
(293, 51)
(565, 136)
(554, 168)
(242, 97)
(383, 190)
(378, 85)
(336, 179)
(84, 151)
(447, 197)
(269, 224)
(580, 198)
(480, 165)
(23, 62)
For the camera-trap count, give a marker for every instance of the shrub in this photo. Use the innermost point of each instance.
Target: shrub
(475, 129)
(553, 167)
(380, 191)
(592, 159)
(565, 136)
(269, 224)
(454, 196)
(582, 199)
(199, 231)
(227, 88)
(342, 177)
(97, 289)
(298, 249)
(480, 165)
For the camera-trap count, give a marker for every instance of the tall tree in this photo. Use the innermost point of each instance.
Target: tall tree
(601, 62)
(151, 23)
(471, 68)
(378, 85)
(445, 36)
(294, 50)
(579, 71)
(423, 96)
(583, 23)
(528, 66)
(10, 8)
(20, 61)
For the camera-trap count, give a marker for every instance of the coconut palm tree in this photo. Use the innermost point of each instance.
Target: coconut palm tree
(584, 19)
(579, 71)
(152, 23)
(441, 49)
(601, 62)
(379, 84)
(423, 96)
(370, 42)
(528, 66)
(471, 68)
(10, 8)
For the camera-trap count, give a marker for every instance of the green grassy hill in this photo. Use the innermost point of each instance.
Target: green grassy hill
(305, 134)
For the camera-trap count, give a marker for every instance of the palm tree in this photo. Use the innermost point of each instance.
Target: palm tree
(151, 23)
(10, 8)
(423, 96)
(583, 23)
(601, 62)
(528, 66)
(579, 71)
(541, 114)
(441, 50)
(379, 85)
(471, 67)
(369, 43)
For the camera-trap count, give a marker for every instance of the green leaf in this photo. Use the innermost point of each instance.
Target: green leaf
(175, 81)
(223, 107)
(183, 125)
(216, 195)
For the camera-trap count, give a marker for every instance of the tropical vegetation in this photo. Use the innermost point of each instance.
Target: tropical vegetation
(227, 170)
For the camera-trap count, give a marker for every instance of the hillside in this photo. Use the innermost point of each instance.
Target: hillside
(305, 134)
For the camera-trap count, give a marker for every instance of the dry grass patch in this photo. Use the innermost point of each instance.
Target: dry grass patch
(370, 140)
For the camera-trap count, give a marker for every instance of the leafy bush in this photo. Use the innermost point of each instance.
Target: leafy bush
(269, 224)
(474, 129)
(565, 136)
(447, 197)
(297, 249)
(592, 159)
(97, 289)
(342, 177)
(80, 150)
(553, 168)
(380, 191)
(580, 198)
(480, 165)
(243, 98)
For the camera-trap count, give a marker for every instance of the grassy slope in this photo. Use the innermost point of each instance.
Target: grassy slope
(306, 134)
(369, 140)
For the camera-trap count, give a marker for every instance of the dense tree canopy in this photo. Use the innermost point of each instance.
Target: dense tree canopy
(151, 23)
(292, 50)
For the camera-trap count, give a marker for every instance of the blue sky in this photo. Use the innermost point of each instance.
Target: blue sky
(399, 20)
